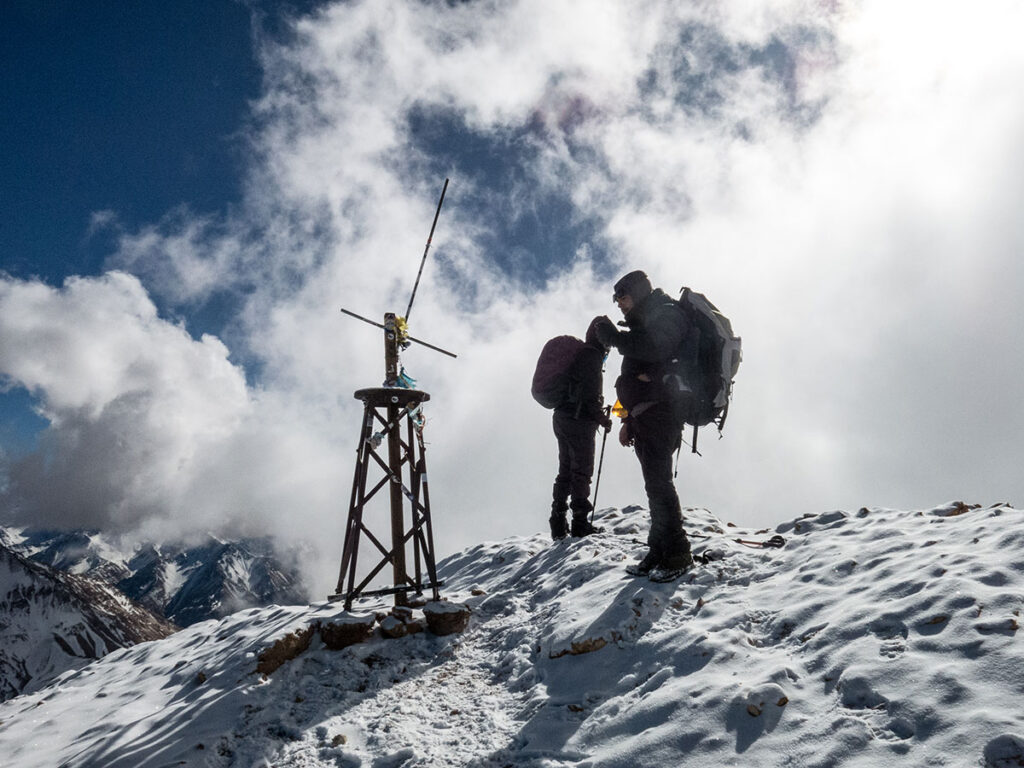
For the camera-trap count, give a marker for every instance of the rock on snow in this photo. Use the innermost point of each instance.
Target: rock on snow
(877, 637)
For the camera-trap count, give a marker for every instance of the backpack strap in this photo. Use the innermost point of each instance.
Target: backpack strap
(721, 418)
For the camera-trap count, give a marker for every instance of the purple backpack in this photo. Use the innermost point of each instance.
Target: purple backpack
(551, 377)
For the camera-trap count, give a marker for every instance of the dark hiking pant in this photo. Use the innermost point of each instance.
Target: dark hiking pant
(575, 464)
(657, 435)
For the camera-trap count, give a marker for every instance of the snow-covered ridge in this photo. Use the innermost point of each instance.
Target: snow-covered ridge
(51, 621)
(876, 637)
(61, 589)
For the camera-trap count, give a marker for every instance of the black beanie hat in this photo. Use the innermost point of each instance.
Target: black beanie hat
(635, 284)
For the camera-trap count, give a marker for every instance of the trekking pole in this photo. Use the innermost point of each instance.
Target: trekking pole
(600, 463)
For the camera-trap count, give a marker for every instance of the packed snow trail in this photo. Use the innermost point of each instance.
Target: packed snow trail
(876, 637)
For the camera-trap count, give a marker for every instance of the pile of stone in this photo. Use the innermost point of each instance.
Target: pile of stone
(439, 617)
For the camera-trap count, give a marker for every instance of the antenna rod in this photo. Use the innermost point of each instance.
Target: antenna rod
(424, 259)
(418, 341)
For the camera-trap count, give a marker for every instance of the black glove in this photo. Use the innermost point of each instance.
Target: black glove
(606, 331)
(606, 422)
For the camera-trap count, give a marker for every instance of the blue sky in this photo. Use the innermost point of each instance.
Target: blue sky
(192, 191)
(134, 108)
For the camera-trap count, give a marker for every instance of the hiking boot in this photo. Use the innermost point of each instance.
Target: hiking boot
(559, 526)
(671, 568)
(651, 560)
(581, 527)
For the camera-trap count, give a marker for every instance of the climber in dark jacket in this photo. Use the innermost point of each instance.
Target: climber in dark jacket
(657, 330)
(575, 422)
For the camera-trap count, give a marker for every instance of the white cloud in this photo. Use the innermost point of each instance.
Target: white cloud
(130, 398)
(153, 432)
(95, 340)
(188, 257)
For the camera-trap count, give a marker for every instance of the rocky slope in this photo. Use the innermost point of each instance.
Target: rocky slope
(70, 597)
(52, 621)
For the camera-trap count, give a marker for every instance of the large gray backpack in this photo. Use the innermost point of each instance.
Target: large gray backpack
(718, 354)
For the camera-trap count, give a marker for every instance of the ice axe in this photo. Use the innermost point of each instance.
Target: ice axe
(600, 463)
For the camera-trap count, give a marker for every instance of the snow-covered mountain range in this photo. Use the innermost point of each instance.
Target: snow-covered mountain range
(70, 597)
(52, 621)
(873, 637)
(182, 583)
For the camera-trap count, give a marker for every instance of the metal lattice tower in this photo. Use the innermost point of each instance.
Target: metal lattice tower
(388, 411)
